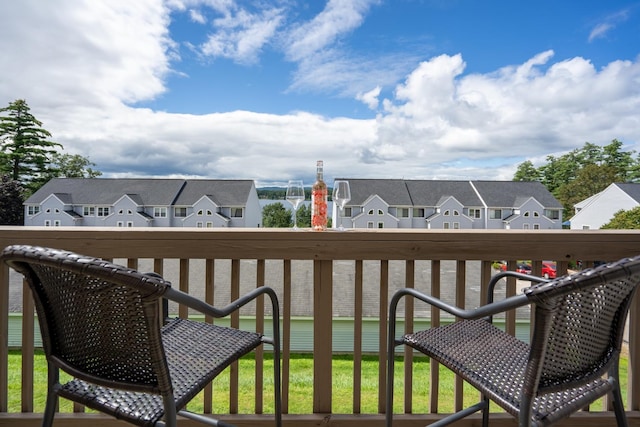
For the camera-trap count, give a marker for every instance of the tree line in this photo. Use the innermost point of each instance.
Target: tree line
(582, 172)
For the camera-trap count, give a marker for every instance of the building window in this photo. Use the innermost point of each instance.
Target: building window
(525, 226)
(536, 226)
(47, 223)
(586, 227)
(381, 224)
(370, 224)
(209, 213)
(236, 212)
(347, 212)
(56, 223)
(552, 213)
(370, 213)
(403, 212)
(200, 212)
(526, 214)
(180, 212)
(495, 213)
(456, 225)
(129, 212)
(456, 213)
(199, 224)
(380, 213)
(446, 225)
(209, 224)
(418, 212)
(89, 211)
(474, 213)
(121, 212)
(129, 223)
(536, 214)
(447, 213)
(159, 212)
(104, 211)
(119, 224)
(33, 210)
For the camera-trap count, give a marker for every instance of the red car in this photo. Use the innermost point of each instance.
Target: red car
(548, 270)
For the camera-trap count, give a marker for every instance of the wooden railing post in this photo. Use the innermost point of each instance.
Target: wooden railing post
(322, 335)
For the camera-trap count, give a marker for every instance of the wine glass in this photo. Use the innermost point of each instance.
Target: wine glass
(295, 196)
(341, 196)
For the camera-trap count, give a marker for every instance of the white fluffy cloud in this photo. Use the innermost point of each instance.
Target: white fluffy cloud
(83, 65)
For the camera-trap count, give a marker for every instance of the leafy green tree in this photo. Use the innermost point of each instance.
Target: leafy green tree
(275, 215)
(624, 220)
(11, 199)
(72, 166)
(590, 180)
(304, 216)
(526, 172)
(25, 151)
(582, 172)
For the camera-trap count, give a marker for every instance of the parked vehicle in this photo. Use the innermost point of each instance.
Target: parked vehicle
(549, 270)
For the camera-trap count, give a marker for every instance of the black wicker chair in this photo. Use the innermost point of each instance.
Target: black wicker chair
(572, 358)
(103, 324)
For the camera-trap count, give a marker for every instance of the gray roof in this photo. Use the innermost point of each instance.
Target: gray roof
(398, 192)
(515, 193)
(392, 191)
(433, 193)
(222, 192)
(106, 191)
(143, 191)
(633, 190)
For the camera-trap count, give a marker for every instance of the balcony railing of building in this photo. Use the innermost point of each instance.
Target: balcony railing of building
(334, 288)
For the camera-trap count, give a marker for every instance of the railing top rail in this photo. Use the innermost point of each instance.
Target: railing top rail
(263, 243)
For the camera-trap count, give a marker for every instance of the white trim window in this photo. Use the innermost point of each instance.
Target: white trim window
(475, 213)
(104, 211)
(160, 212)
(89, 211)
(237, 212)
(33, 210)
(403, 212)
(180, 212)
(418, 212)
(495, 213)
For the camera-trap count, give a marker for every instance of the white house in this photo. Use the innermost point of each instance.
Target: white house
(599, 209)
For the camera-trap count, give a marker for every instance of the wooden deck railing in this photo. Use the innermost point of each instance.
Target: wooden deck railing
(326, 277)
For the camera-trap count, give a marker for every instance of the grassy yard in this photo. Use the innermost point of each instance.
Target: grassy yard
(300, 386)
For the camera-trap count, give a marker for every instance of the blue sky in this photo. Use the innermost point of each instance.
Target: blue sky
(442, 89)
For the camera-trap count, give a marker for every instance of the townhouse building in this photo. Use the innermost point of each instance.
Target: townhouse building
(144, 203)
(435, 204)
(375, 203)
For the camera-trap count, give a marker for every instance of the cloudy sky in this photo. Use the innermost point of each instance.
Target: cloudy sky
(415, 89)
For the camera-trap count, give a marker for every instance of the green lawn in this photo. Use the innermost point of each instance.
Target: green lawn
(300, 386)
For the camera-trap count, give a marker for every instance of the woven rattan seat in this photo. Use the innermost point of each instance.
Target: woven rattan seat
(103, 324)
(571, 360)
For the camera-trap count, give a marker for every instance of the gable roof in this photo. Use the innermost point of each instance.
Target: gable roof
(392, 191)
(143, 191)
(107, 191)
(398, 192)
(430, 193)
(514, 193)
(632, 189)
(221, 192)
